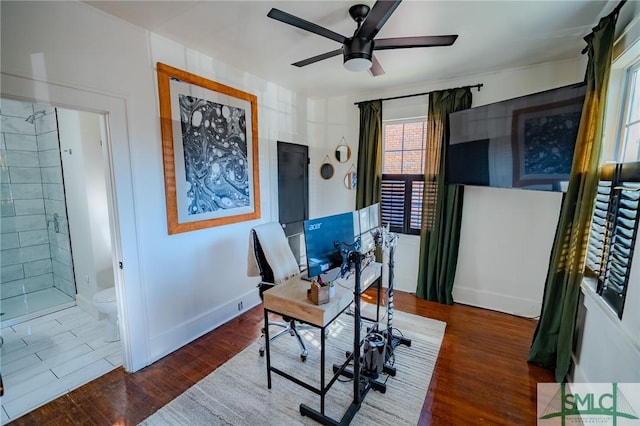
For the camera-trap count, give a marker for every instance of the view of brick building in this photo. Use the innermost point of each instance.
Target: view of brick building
(404, 145)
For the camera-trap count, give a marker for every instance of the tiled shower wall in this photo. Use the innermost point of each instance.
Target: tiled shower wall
(35, 250)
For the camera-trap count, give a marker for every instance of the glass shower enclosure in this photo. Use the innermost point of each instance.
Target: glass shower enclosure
(36, 275)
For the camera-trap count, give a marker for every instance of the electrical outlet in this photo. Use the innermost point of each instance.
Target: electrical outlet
(239, 306)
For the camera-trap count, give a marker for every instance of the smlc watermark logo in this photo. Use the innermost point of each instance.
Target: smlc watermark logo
(589, 403)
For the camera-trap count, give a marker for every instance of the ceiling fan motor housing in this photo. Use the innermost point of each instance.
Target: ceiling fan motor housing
(357, 47)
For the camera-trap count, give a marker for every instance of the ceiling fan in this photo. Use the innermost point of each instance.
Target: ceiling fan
(357, 50)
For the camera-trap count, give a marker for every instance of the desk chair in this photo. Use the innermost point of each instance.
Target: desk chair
(271, 257)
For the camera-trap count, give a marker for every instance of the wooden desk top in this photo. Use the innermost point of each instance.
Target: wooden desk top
(290, 298)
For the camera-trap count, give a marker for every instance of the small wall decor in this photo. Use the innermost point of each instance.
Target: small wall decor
(343, 151)
(326, 169)
(351, 178)
(210, 151)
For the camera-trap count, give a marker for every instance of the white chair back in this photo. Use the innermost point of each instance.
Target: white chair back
(275, 246)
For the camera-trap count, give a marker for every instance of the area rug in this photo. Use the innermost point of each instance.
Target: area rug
(236, 393)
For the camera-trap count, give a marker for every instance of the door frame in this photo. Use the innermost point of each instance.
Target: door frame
(133, 324)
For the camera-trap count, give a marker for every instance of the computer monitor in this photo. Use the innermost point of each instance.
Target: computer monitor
(324, 238)
(369, 218)
(374, 216)
(356, 224)
(363, 217)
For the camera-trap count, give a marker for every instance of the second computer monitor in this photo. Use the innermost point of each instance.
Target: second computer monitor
(369, 218)
(374, 216)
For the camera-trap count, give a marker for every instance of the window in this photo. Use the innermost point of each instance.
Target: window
(402, 186)
(614, 225)
(629, 129)
(614, 230)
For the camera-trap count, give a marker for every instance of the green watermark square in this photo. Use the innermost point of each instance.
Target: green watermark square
(616, 404)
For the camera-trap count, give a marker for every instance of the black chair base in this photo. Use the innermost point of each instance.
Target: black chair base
(290, 328)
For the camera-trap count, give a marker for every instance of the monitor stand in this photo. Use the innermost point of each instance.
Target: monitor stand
(328, 276)
(362, 383)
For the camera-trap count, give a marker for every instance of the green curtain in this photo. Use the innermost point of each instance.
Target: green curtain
(442, 203)
(553, 338)
(369, 154)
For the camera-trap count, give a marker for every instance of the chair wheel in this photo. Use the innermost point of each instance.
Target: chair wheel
(303, 358)
(261, 352)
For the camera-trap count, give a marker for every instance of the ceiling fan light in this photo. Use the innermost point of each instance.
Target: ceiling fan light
(357, 54)
(357, 64)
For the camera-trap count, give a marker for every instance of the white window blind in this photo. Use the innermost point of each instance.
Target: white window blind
(614, 230)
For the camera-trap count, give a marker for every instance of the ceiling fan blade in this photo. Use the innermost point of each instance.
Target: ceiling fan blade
(377, 17)
(376, 68)
(318, 58)
(287, 18)
(407, 42)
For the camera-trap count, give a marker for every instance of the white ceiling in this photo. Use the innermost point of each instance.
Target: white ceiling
(493, 35)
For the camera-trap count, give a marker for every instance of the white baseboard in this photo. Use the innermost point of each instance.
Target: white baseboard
(87, 306)
(497, 302)
(178, 336)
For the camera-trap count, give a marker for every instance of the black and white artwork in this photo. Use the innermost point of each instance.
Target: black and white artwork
(214, 141)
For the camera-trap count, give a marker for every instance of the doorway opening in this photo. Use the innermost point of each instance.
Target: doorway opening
(56, 251)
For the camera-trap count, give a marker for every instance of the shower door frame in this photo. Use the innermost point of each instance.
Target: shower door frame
(113, 109)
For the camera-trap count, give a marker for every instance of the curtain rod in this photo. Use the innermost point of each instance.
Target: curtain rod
(615, 11)
(619, 6)
(477, 86)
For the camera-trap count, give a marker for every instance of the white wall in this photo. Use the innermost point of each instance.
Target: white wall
(208, 278)
(172, 288)
(505, 244)
(330, 120)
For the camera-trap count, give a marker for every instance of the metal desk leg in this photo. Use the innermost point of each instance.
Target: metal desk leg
(379, 297)
(267, 347)
(322, 354)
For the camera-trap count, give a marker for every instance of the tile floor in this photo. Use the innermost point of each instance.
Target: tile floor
(31, 305)
(47, 356)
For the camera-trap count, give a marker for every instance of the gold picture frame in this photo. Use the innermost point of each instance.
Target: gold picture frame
(210, 151)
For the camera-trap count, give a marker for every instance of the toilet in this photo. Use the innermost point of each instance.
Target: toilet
(105, 302)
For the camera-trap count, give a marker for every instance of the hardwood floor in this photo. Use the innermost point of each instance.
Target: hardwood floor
(481, 375)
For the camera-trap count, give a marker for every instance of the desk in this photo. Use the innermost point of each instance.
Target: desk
(290, 299)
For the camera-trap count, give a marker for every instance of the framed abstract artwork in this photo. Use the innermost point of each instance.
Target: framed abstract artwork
(210, 151)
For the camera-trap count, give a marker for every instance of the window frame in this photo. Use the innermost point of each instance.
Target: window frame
(630, 80)
(409, 205)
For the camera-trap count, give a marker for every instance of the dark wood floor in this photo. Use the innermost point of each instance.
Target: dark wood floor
(481, 375)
